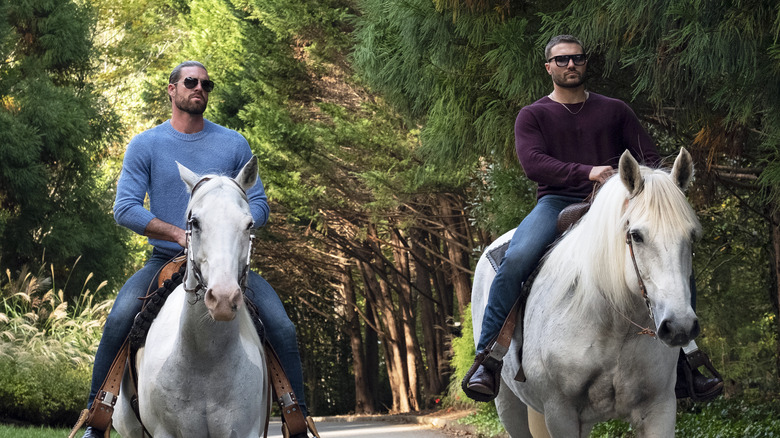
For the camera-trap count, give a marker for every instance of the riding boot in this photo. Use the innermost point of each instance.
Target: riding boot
(482, 381)
(691, 382)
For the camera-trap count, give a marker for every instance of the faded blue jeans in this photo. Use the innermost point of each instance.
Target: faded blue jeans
(279, 330)
(529, 243)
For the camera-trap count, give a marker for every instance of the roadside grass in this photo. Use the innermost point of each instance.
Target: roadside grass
(9, 431)
(718, 419)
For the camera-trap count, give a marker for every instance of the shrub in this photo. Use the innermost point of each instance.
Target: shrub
(46, 349)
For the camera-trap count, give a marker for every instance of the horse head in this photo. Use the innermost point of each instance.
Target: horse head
(219, 222)
(660, 227)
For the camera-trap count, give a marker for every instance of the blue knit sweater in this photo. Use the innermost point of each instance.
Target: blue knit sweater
(150, 167)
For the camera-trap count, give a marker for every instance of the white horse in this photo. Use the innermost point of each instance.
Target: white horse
(583, 356)
(202, 371)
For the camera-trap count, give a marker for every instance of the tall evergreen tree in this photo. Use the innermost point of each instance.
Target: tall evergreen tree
(55, 204)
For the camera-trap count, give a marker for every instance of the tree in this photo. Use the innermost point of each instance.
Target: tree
(55, 202)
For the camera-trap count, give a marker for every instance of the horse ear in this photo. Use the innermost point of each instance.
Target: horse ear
(630, 174)
(248, 175)
(189, 177)
(682, 171)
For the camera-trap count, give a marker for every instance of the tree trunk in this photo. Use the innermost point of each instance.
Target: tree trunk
(372, 354)
(391, 341)
(407, 311)
(364, 402)
(775, 225)
(430, 329)
(458, 257)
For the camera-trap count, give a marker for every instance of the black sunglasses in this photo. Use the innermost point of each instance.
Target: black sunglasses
(563, 60)
(191, 83)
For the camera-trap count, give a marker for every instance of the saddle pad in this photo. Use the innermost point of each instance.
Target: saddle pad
(496, 254)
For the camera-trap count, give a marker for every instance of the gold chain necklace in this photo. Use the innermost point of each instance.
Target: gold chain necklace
(567, 108)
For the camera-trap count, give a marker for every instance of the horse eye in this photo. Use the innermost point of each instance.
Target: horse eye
(194, 224)
(636, 237)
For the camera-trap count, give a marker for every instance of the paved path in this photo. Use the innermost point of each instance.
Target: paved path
(352, 429)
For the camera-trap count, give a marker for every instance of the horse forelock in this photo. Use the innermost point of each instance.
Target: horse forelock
(592, 255)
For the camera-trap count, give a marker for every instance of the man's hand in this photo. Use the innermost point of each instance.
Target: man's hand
(158, 229)
(601, 173)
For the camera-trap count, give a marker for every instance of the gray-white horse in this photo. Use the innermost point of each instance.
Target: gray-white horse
(583, 356)
(202, 371)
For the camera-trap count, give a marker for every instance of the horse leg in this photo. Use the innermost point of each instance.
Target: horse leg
(657, 421)
(537, 425)
(512, 412)
(562, 421)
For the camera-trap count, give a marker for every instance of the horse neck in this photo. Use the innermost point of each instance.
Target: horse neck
(201, 336)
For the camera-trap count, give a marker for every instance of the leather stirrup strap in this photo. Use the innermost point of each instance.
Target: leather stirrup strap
(99, 415)
(500, 346)
(294, 422)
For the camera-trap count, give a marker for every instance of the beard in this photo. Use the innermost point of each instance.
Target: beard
(190, 107)
(569, 81)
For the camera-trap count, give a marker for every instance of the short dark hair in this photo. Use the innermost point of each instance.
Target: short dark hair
(554, 41)
(176, 73)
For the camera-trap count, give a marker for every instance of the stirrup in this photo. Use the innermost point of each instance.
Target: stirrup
(491, 364)
(690, 362)
(309, 425)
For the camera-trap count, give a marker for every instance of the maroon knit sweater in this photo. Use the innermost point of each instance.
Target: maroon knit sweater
(558, 149)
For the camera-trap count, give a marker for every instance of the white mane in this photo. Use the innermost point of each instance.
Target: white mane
(591, 258)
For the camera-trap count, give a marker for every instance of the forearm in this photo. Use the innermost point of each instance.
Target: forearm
(157, 229)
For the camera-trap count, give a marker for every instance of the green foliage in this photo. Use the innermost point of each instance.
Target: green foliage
(741, 339)
(54, 137)
(46, 349)
(463, 353)
(727, 418)
(43, 392)
(485, 419)
(500, 199)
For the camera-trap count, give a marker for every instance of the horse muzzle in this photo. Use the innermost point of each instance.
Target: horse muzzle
(223, 303)
(677, 332)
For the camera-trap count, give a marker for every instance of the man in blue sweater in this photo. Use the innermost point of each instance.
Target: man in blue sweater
(149, 167)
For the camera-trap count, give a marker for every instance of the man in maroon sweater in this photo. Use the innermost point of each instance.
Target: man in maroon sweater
(566, 141)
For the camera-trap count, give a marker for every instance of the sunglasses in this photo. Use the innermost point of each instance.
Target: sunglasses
(563, 60)
(191, 83)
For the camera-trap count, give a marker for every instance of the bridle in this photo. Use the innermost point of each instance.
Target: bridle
(642, 288)
(200, 284)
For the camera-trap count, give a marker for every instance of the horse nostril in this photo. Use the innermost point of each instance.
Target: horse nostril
(664, 329)
(695, 329)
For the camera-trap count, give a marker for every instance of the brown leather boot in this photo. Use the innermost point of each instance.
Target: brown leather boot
(692, 383)
(481, 382)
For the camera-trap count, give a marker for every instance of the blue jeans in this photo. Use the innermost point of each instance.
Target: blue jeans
(279, 330)
(529, 243)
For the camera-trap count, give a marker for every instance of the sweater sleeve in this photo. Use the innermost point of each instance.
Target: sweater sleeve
(131, 190)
